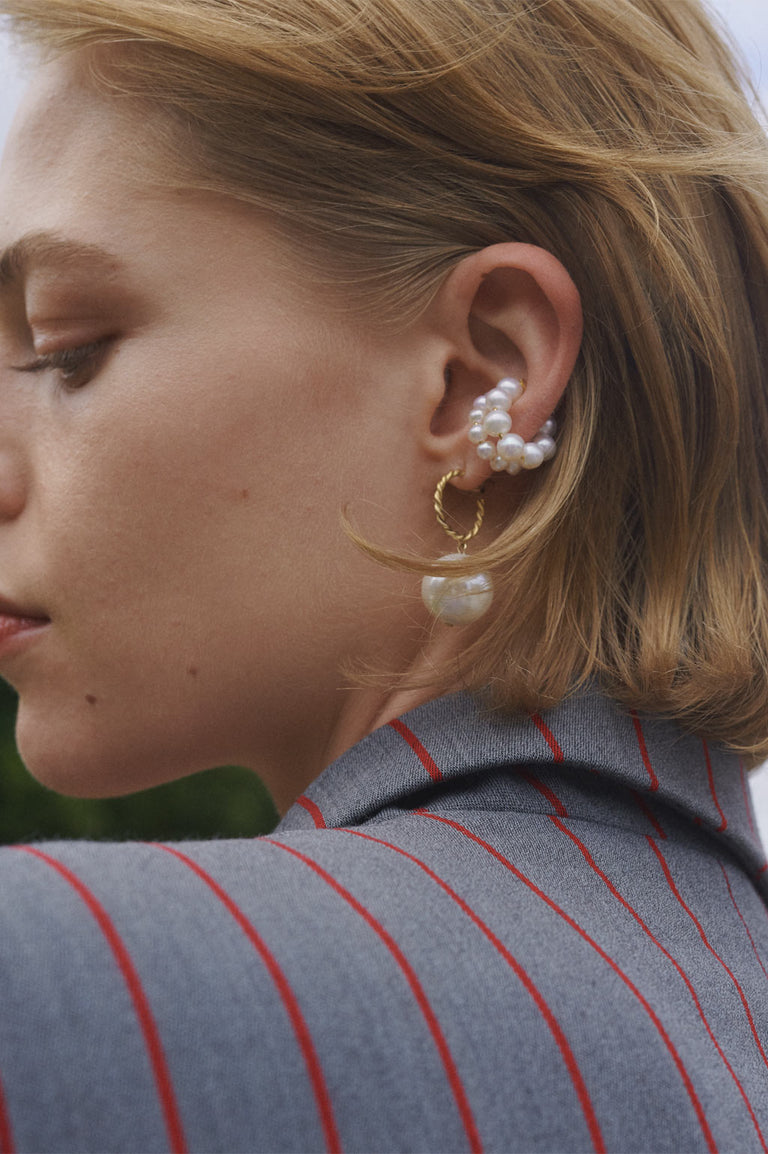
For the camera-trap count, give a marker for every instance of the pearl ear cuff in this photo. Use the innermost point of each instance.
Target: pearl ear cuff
(457, 600)
(490, 431)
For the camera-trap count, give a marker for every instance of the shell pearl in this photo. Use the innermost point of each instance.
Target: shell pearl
(547, 446)
(511, 386)
(549, 428)
(476, 434)
(498, 399)
(511, 447)
(457, 600)
(486, 451)
(497, 423)
(498, 464)
(480, 403)
(513, 467)
(476, 416)
(533, 456)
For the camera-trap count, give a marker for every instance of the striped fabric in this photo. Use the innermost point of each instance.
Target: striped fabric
(472, 933)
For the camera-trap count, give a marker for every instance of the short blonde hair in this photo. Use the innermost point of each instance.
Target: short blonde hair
(401, 135)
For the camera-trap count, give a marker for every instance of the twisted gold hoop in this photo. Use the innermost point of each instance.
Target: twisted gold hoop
(461, 539)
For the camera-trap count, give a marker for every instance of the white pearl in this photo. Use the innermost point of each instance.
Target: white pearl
(486, 451)
(547, 446)
(511, 386)
(480, 403)
(497, 423)
(533, 456)
(513, 467)
(457, 600)
(498, 464)
(498, 399)
(511, 447)
(476, 434)
(476, 415)
(549, 428)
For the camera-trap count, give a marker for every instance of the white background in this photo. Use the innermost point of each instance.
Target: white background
(748, 22)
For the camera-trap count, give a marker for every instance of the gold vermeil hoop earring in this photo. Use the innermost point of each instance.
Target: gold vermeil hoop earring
(457, 600)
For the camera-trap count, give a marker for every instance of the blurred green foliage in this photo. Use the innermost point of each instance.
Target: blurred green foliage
(228, 802)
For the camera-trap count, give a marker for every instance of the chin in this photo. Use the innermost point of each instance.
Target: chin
(84, 761)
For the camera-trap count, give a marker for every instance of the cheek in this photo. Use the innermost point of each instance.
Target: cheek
(205, 486)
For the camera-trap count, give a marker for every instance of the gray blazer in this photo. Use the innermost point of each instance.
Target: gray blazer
(472, 933)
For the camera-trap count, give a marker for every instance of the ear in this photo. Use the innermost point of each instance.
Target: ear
(510, 310)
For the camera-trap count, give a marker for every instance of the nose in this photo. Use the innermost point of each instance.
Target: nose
(13, 486)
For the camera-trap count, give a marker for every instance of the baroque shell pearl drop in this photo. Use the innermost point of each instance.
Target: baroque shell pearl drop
(457, 600)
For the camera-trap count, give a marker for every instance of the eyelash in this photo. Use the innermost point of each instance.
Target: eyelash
(69, 363)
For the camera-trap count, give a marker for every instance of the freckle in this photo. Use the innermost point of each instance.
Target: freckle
(193, 671)
(90, 699)
(245, 494)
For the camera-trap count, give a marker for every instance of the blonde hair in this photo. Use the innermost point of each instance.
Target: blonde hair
(401, 135)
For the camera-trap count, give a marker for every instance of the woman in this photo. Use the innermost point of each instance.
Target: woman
(290, 291)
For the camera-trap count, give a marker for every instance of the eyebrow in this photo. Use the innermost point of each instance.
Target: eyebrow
(38, 249)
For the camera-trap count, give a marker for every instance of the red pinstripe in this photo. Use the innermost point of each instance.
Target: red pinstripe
(708, 944)
(648, 812)
(409, 973)
(6, 1134)
(688, 984)
(548, 736)
(555, 1029)
(747, 804)
(432, 768)
(546, 792)
(684, 1075)
(301, 1030)
(644, 751)
(723, 819)
(141, 1005)
(313, 810)
(738, 911)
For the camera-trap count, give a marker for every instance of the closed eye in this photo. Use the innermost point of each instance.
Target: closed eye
(75, 366)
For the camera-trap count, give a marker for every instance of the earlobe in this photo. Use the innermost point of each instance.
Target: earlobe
(513, 314)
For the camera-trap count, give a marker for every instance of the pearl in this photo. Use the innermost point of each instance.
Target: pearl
(547, 446)
(511, 447)
(457, 600)
(533, 456)
(549, 428)
(476, 434)
(513, 467)
(486, 451)
(498, 464)
(497, 423)
(498, 399)
(480, 403)
(511, 386)
(476, 416)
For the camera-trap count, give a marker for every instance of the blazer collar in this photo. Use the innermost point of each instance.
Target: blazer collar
(453, 737)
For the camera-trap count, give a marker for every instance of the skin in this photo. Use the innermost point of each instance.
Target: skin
(172, 508)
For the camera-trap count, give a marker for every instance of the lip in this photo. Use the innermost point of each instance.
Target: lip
(18, 626)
